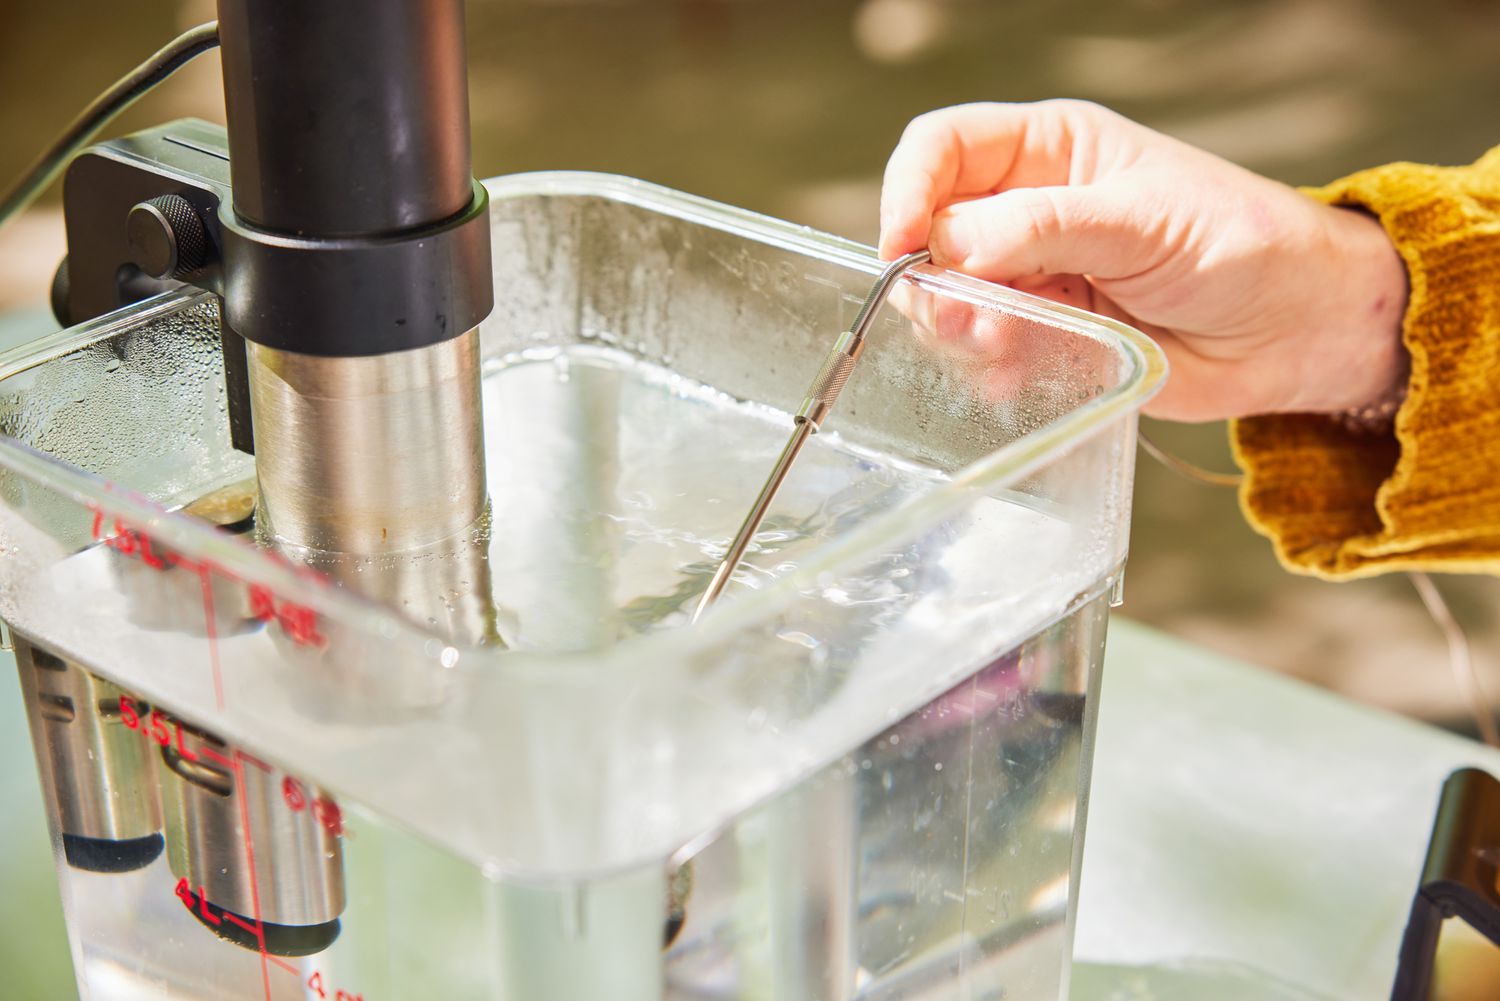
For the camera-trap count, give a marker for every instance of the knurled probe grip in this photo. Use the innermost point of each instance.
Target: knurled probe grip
(839, 364)
(825, 390)
(830, 381)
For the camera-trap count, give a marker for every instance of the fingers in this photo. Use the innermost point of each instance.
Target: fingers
(973, 149)
(1097, 230)
(1202, 387)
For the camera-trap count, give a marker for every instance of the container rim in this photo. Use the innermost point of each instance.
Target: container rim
(1145, 370)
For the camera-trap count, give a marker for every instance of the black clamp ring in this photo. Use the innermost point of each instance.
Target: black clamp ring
(358, 296)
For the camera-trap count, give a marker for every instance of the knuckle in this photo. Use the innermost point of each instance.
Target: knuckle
(1078, 107)
(1039, 214)
(1085, 113)
(925, 123)
(941, 122)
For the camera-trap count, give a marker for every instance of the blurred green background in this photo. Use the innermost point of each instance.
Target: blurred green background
(791, 106)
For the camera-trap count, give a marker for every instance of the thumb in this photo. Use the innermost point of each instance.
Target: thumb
(1092, 229)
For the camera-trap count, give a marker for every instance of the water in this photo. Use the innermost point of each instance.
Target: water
(617, 485)
(929, 855)
(933, 861)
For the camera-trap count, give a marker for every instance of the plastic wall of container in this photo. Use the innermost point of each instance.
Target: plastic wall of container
(574, 760)
(112, 425)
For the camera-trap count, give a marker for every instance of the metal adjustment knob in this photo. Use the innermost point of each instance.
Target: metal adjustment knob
(167, 238)
(60, 293)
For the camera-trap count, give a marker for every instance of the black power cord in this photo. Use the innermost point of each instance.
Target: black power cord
(121, 95)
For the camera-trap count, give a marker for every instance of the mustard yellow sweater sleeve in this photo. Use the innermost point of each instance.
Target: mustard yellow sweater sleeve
(1339, 504)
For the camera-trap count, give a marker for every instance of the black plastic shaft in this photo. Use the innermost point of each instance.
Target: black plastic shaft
(355, 227)
(346, 117)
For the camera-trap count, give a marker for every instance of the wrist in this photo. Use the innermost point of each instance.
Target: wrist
(1364, 364)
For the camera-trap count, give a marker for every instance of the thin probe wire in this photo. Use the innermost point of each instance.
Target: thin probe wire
(1184, 468)
(751, 524)
(121, 95)
(1460, 656)
(822, 395)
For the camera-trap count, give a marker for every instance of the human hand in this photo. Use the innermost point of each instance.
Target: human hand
(1264, 300)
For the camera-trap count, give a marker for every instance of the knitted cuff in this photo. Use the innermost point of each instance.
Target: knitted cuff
(1339, 504)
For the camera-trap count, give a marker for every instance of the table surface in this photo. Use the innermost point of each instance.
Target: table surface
(1249, 837)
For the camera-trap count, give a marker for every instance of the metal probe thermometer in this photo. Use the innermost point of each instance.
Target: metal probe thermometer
(820, 399)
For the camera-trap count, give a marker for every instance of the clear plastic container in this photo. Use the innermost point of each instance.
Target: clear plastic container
(862, 776)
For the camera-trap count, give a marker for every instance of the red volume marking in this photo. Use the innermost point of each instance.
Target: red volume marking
(182, 750)
(217, 758)
(298, 622)
(148, 557)
(235, 918)
(159, 731)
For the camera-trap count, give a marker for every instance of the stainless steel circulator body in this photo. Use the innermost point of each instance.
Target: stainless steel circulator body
(96, 768)
(248, 838)
(368, 455)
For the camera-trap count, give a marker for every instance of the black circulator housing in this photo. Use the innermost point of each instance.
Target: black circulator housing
(337, 215)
